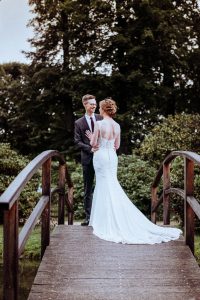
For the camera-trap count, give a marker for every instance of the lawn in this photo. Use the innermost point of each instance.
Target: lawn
(32, 248)
(197, 248)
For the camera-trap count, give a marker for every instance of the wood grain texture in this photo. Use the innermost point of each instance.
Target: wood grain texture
(78, 265)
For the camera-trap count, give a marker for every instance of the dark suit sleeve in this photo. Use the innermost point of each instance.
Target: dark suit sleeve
(78, 140)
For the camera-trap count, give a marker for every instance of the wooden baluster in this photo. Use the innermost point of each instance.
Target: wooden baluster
(166, 197)
(46, 191)
(188, 211)
(70, 199)
(10, 254)
(61, 204)
(153, 202)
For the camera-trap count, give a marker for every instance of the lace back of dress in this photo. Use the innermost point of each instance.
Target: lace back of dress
(108, 133)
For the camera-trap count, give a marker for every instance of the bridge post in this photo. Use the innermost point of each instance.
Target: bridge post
(46, 191)
(69, 198)
(153, 202)
(166, 197)
(61, 204)
(188, 211)
(10, 254)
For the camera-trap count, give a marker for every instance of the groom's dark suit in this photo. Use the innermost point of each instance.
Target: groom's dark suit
(83, 143)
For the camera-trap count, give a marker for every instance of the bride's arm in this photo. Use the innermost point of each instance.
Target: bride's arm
(117, 140)
(95, 136)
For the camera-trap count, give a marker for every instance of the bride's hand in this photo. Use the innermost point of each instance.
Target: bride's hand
(96, 148)
(88, 133)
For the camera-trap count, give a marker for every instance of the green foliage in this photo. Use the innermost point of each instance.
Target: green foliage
(33, 246)
(135, 176)
(32, 249)
(179, 132)
(11, 163)
(77, 179)
(197, 248)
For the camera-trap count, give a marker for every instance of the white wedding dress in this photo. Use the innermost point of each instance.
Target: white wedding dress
(113, 216)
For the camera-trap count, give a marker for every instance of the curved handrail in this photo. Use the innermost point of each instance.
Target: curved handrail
(187, 154)
(11, 194)
(191, 204)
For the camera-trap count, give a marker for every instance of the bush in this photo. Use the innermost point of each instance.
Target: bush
(11, 163)
(179, 132)
(77, 179)
(136, 177)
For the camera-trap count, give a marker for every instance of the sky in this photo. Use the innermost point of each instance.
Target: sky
(14, 16)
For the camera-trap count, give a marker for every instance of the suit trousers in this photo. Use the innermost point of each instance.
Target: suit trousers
(88, 178)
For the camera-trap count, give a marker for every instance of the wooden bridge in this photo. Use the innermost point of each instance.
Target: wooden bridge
(78, 265)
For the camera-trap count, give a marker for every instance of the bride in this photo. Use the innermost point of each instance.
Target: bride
(113, 216)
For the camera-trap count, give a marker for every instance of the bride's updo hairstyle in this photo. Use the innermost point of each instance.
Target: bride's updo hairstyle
(109, 106)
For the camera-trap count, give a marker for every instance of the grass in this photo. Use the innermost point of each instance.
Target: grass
(33, 245)
(197, 248)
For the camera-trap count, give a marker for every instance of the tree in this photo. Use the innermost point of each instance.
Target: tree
(65, 31)
(11, 92)
(142, 53)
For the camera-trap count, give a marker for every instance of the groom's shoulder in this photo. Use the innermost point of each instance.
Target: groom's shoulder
(80, 120)
(98, 117)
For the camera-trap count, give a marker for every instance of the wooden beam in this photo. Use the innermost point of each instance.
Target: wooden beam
(46, 191)
(31, 222)
(10, 254)
(188, 211)
(61, 203)
(177, 191)
(195, 205)
(166, 185)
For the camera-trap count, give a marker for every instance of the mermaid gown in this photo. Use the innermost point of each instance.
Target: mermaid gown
(114, 217)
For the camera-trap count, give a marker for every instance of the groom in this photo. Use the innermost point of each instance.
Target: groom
(83, 143)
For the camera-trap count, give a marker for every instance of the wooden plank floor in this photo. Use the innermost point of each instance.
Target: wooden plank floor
(78, 265)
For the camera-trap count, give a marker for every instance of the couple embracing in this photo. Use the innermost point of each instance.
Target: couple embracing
(108, 210)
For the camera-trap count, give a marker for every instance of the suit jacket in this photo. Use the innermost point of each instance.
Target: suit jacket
(81, 140)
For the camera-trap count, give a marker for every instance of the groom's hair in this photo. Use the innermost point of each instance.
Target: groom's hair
(87, 97)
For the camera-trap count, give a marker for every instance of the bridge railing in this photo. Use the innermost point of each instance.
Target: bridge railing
(13, 242)
(191, 205)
